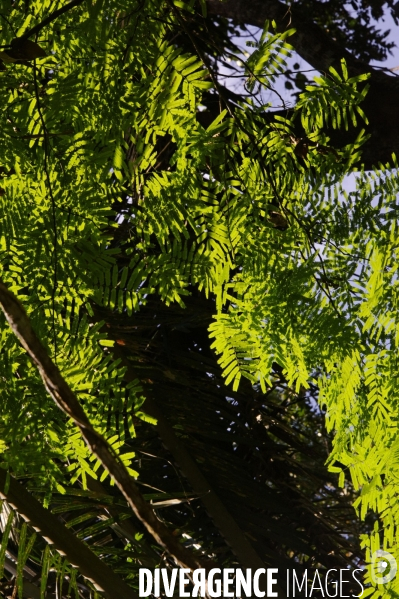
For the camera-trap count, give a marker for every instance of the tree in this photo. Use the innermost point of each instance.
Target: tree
(130, 230)
(335, 33)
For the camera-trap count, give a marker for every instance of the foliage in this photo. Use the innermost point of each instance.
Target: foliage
(355, 25)
(112, 191)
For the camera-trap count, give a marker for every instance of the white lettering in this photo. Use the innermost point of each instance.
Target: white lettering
(334, 582)
(257, 591)
(157, 590)
(169, 588)
(199, 580)
(214, 587)
(358, 581)
(145, 582)
(341, 580)
(244, 583)
(227, 581)
(182, 582)
(271, 582)
(320, 587)
(304, 582)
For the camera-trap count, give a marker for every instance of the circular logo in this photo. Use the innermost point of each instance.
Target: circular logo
(381, 562)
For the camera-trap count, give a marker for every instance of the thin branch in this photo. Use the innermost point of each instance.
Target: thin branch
(67, 401)
(52, 17)
(311, 42)
(64, 541)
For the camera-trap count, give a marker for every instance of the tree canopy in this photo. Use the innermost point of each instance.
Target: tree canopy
(185, 276)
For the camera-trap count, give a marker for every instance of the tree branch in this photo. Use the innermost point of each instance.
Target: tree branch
(52, 17)
(226, 524)
(67, 401)
(217, 510)
(309, 40)
(55, 533)
(321, 51)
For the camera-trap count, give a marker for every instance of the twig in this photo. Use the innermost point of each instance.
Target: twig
(52, 17)
(63, 540)
(67, 401)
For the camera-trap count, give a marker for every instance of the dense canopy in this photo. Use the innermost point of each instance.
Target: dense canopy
(199, 271)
